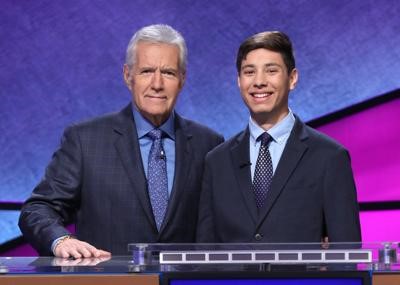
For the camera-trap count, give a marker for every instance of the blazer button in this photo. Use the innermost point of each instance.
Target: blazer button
(258, 236)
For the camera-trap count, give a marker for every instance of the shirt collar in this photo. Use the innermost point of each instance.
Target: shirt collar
(279, 132)
(143, 126)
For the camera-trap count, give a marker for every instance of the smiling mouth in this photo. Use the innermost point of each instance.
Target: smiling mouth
(261, 95)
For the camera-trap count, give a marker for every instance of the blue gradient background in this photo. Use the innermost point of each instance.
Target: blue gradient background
(61, 62)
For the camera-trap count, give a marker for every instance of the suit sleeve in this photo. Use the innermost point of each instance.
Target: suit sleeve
(54, 200)
(340, 200)
(205, 225)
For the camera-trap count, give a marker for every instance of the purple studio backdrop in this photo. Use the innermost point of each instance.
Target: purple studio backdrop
(61, 62)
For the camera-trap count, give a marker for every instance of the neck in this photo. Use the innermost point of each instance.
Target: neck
(267, 120)
(156, 121)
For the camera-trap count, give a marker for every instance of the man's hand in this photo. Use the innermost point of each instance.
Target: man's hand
(325, 243)
(92, 261)
(75, 248)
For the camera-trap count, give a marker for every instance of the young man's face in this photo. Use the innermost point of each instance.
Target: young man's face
(264, 84)
(155, 80)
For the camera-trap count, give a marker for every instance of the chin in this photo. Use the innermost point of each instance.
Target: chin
(260, 112)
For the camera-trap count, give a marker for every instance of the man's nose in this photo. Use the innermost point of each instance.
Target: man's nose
(260, 80)
(157, 83)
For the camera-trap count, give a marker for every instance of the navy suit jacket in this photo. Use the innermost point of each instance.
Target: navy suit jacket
(312, 193)
(96, 180)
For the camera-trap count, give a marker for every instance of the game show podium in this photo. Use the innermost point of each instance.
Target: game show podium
(217, 264)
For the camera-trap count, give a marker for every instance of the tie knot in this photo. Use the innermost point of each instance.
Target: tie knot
(155, 134)
(265, 138)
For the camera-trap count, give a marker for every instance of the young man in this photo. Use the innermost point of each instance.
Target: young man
(278, 180)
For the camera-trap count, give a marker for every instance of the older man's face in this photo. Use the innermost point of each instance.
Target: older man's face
(155, 80)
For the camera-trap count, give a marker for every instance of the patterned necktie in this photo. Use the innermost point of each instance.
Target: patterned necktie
(263, 172)
(157, 177)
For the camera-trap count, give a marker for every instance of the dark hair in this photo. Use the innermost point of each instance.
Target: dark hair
(274, 41)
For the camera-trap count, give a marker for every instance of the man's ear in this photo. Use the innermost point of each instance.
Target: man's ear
(293, 77)
(183, 79)
(126, 74)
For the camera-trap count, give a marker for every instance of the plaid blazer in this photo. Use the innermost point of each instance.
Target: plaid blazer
(96, 180)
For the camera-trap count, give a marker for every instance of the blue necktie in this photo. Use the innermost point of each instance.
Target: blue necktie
(157, 177)
(263, 172)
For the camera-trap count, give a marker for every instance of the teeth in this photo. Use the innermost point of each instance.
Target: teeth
(261, 95)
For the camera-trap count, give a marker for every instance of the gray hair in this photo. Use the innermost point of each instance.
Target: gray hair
(157, 34)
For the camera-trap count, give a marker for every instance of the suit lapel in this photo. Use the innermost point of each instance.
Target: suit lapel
(127, 146)
(241, 164)
(183, 158)
(291, 156)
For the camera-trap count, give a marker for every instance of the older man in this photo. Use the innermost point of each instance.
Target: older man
(128, 177)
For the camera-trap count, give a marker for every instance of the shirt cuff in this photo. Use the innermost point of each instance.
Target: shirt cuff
(57, 241)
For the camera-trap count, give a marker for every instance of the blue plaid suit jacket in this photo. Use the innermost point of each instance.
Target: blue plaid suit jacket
(96, 180)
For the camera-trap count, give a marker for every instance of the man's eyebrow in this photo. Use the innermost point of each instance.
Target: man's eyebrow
(168, 69)
(272, 64)
(265, 65)
(247, 65)
(147, 68)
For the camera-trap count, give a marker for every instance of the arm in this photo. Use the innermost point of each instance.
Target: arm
(55, 200)
(340, 200)
(205, 225)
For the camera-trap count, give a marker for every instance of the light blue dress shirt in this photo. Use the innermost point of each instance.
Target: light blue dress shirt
(143, 126)
(279, 133)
